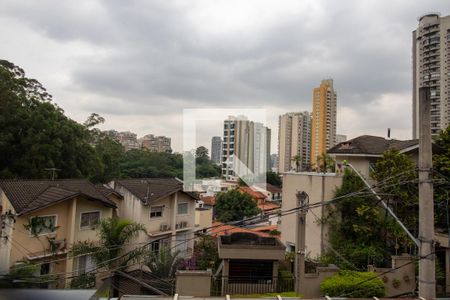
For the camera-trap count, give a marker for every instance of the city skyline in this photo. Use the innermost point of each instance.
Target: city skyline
(134, 77)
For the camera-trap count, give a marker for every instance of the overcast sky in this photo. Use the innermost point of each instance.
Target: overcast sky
(140, 63)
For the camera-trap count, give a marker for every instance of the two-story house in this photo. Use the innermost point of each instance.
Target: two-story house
(167, 211)
(42, 219)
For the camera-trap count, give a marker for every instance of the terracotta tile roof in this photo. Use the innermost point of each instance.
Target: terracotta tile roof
(30, 195)
(209, 200)
(271, 188)
(368, 144)
(151, 189)
(221, 229)
(255, 194)
(268, 206)
(266, 228)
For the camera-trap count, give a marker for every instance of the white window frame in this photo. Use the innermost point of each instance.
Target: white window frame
(43, 216)
(89, 227)
(156, 217)
(187, 208)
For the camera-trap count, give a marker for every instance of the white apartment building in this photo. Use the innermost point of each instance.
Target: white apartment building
(245, 148)
(294, 138)
(431, 68)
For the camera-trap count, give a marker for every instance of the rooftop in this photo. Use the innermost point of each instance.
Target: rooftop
(30, 195)
(152, 189)
(371, 145)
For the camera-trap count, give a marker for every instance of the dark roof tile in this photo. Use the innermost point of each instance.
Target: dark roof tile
(30, 195)
(371, 145)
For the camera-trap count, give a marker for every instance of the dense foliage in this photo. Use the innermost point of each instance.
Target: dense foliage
(235, 205)
(361, 232)
(36, 136)
(352, 284)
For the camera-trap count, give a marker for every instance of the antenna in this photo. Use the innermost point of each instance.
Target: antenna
(389, 133)
(54, 170)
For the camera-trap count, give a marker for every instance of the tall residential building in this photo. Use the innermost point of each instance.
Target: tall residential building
(323, 135)
(156, 143)
(248, 142)
(431, 68)
(216, 149)
(294, 138)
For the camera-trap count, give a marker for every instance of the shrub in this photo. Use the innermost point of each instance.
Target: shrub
(353, 284)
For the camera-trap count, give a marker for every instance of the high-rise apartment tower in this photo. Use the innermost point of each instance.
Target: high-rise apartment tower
(431, 68)
(216, 149)
(245, 141)
(323, 134)
(294, 141)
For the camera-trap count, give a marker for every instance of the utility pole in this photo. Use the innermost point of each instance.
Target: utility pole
(302, 202)
(427, 280)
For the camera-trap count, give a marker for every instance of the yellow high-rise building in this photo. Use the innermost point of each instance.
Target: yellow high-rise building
(323, 135)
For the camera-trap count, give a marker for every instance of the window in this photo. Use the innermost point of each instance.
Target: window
(157, 245)
(156, 211)
(43, 225)
(89, 219)
(182, 208)
(85, 264)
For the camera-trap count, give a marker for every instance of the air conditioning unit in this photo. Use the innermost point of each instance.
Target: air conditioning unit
(164, 227)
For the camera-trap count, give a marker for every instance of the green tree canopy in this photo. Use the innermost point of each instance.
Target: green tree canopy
(235, 205)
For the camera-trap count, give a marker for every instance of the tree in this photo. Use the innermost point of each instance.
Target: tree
(441, 167)
(297, 159)
(201, 153)
(273, 178)
(326, 163)
(35, 133)
(114, 234)
(235, 205)
(163, 263)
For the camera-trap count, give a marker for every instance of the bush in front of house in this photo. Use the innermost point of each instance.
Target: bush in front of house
(353, 284)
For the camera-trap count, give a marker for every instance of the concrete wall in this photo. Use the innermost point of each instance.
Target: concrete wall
(203, 218)
(401, 280)
(310, 284)
(319, 187)
(193, 283)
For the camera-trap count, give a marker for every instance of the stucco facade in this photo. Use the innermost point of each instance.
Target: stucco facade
(175, 228)
(22, 245)
(319, 187)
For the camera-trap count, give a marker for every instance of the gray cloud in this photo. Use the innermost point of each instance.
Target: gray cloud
(158, 57)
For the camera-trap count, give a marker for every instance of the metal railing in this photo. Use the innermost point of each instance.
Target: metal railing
(251, 286)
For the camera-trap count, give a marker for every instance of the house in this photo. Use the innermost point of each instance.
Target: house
(364, 151)
(42, 219)
(250, 263)
(220, 229)
(258, 196)
(167, 211)
(272, 192)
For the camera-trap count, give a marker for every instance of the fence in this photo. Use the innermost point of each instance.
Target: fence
(248, 286)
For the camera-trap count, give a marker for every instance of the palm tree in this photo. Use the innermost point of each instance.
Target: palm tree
(297, 159)
(114, 234)
(326, 162)
(163, 263)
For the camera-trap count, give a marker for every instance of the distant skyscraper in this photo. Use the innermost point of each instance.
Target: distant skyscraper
(294, 138)
(431, 68)
(247, 141)
(128, 140)
(216, 149)
(340, 138)
(323, 135)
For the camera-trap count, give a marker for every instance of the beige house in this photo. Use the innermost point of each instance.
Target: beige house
(42, 219)
(319, 187)
(364, 151)
(163, 207)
